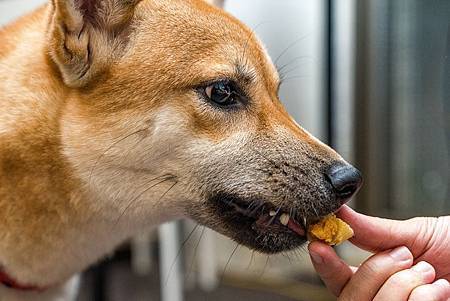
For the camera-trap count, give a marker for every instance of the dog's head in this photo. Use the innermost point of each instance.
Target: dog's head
(174, 105)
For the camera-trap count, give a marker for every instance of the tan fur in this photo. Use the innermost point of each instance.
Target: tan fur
(92, 111)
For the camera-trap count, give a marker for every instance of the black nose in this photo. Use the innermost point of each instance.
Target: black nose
(346, 181)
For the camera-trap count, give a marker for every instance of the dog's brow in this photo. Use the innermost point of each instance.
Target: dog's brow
(244, 73)
(248, 75)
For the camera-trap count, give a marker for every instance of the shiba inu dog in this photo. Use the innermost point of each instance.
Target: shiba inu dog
(119, 115)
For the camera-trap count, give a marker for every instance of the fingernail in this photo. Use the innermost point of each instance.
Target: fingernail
(401, 254)
(316, 258)
(423, 267)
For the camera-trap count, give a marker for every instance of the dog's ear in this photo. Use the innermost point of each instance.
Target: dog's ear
(85, 35)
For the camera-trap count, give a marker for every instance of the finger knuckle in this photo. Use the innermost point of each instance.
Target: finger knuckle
(404, 277)
(428, 293)
(421, 294)
(373, 267)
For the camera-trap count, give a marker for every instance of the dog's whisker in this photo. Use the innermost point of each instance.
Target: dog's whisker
(291, 78)
(243, 58)
(251, 259)
(283, 77)
(282, 67)
(183, 244)
(109, 148)
(228, 262)
(129, 205)
(289, 47)
(265, 266)
(194, 256)
(167, 191)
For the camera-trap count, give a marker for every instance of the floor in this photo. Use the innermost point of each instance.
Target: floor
(120, 284)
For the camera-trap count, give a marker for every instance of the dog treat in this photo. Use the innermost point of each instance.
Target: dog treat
(331, 230)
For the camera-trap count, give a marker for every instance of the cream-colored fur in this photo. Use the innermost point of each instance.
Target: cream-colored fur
(103, 132)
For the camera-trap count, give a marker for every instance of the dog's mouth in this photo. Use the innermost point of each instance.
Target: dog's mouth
(265, 217)
(258, 224)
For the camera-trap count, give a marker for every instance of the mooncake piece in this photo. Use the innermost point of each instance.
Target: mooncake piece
(331, 230)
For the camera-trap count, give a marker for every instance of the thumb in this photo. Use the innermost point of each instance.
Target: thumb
(334, 272)
(378, 234)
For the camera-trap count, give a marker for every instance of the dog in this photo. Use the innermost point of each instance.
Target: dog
(119, 115)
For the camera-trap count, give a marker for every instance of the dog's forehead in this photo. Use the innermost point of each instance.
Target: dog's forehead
(195, 35)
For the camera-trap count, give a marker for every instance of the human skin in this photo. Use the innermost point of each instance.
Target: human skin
(411, 261)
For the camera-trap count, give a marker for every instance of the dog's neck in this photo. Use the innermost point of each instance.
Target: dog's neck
(51, 216)
(47, 213)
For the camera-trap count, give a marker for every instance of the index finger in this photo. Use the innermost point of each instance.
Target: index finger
(378, 234)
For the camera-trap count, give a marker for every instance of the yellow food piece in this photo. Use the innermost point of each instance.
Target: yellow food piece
(331, 230)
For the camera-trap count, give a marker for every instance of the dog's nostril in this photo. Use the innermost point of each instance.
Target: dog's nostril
(345, 179)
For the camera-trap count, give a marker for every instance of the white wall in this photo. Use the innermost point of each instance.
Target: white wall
(11, 9)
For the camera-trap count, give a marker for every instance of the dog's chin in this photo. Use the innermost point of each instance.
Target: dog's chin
(256, 224)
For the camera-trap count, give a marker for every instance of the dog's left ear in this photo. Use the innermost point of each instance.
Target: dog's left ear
(85, 35)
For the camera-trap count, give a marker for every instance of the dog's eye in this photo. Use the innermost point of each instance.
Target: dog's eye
(222, 93)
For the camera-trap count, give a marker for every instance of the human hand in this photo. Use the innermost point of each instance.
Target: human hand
(386, 276)
(427, 238)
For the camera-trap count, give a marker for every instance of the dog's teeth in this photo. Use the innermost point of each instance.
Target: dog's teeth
(272, 213)
(284, 219)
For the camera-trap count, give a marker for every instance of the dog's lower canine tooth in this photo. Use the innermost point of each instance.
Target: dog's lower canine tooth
(272, 213)
(284, 219)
